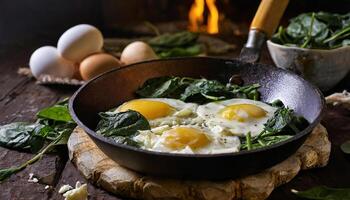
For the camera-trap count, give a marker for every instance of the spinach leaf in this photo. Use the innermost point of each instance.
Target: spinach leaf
(195, 90)
(56, 112)
(174, 40)
(245, 92)
(16, 135)
(121, 123)
(315, 30)
(345, 147)
(53, 126)
(332, 20)
(202, 90)
(248, 141)
(281, 126)
(178, 44)
(256, 143)
(7, 172)
(192, 50)
(284, 121)
(324, 193)
(170, 87)
(62, 138)
(282, 117)
(22, 135)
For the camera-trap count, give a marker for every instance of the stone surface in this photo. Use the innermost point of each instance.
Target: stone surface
(103, 172)
(17, 186)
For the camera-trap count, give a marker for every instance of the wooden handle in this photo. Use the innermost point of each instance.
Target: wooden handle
(268, 16)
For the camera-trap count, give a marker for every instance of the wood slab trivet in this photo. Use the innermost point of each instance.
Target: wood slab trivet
(107, 174)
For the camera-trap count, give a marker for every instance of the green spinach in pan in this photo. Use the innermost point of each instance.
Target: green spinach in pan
(121, 126)
(195, 90)
(319, 30)
(282, 126)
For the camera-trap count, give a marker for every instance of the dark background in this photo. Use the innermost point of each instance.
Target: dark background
(28, 24)
(38, 22)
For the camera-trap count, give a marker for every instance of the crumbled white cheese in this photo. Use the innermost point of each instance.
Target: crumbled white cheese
(217, 129)
(32, 179)
(294, 191)
(183, 113)
(160, 129)
(79, 193)
(64, 188)
(47, 187)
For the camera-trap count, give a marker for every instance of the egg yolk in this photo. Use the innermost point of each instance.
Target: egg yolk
(242, 112)
(179, 138)
(148, 108)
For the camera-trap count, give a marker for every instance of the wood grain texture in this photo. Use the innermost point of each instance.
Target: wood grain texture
(268, 15)
(102, 171)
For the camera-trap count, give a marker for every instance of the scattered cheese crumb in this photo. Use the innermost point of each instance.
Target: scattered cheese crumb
(183, 113)
(32, 179)
(79, 193)
(47, 187)
(64, 188)
(160, 129)
(294, 191)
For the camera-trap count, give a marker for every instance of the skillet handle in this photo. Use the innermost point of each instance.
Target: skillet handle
(263, 26)
(268, 16)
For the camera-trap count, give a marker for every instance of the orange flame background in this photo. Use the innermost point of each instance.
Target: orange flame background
(196, 15)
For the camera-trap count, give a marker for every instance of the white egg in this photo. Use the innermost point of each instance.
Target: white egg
(163, 111)
(236, 116)
(47, 61)
(79, 42)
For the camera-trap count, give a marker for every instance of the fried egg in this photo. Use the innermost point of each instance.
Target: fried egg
(189, 128)
(163, 111)
(236, 116)
(189, 139)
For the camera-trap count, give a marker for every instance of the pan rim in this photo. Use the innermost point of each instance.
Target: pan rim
(93, 134)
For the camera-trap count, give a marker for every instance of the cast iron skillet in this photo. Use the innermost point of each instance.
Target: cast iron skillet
(115, 87)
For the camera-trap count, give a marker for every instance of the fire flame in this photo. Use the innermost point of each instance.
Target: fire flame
(196, 17)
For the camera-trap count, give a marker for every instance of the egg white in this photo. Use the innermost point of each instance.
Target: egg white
(217, 124)
(224, 135)
(154, 140)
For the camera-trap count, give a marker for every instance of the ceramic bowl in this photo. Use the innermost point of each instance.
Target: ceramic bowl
(324, 68)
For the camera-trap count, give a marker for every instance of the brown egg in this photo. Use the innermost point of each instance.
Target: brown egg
(96, 64)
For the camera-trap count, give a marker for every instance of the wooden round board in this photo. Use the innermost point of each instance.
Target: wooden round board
(107, 174)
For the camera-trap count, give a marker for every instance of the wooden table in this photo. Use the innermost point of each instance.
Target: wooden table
(21, 98)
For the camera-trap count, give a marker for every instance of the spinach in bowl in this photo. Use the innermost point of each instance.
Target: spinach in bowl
(321, 30)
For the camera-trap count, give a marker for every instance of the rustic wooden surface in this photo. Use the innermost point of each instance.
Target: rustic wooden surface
(21, 98)
(109, 175)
